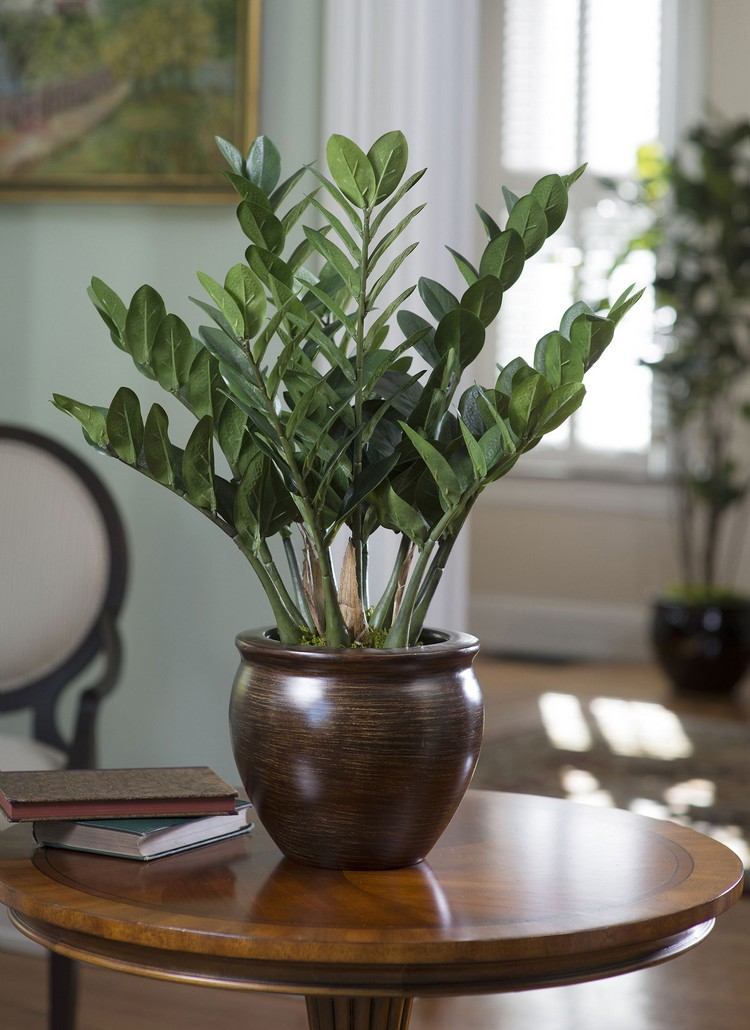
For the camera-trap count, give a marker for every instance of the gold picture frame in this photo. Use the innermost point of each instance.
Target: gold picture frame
(117, 100)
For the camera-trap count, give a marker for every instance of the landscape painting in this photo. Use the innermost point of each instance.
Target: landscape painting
(123, 98)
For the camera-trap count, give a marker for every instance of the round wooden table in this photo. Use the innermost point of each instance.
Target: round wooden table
(521, 892)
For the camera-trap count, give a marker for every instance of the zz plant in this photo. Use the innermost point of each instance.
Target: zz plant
(326, 421)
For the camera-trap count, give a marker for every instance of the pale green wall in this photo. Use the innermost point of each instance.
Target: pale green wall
(190, 590)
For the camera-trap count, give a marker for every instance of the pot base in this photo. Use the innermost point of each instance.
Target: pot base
(703, 649)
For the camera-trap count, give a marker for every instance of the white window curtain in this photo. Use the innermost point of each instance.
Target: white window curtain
(414, 65)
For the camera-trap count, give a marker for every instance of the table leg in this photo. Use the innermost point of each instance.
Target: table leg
(62, 992)
(330, 1013)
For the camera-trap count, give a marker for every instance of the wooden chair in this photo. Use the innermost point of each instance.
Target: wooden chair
(63, 571)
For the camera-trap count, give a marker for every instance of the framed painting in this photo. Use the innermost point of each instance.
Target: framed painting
(121, 99)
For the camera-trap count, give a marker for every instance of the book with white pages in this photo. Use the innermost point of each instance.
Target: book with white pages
(142, 839)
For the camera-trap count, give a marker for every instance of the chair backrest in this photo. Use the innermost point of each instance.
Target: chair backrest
(63, 565)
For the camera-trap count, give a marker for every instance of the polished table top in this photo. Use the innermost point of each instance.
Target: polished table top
(520, 892)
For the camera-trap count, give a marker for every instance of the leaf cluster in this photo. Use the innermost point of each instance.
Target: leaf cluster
(336, 405)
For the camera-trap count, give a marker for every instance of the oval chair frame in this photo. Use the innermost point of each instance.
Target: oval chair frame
(41, 694)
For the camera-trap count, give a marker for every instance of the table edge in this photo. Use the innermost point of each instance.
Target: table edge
(347, 979)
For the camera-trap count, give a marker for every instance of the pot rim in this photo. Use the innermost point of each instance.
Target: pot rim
(258, 643)
(736, 604)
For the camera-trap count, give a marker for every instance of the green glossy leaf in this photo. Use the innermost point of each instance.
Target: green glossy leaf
(253, 403)
(388, 157)
(380, 283)
(495, 445)
(125, 426)
(398, 515)
(552, 196)
(439, 468)
(548, 357)
(490, 225)
(476, 454)
(559, 406)
(225, 303)
(263, 164)
(141, 323)
(591, 335)
(285, 188)
(572, 177)
(483, 298)
(328, 249)
(200, 388)
(470, 411)
(386, 314)
(231, 433)
(527, 218)
(411, 324)
(437, 299)
(231, 155)
(338, 196)
(268, 266)
(351, 171)
(579, 308)
(338, 227)
(504, 258)
(160, 455)
(491, 414)
(247, 500)
(92, 419)
(331, 304)
(368, 480)
(246, 290)
(198, 466)
(226, 351)
(623, 304)
(461, 331)
(389, 205)
(247, 190)
(111, 308)
(525, 402)
(510, 198)
(572, 365)
(518, 369)
(465, 267)
(391, 236)
(173, 353)
(261, 226)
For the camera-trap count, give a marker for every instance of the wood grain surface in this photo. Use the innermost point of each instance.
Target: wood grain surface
(520, 892)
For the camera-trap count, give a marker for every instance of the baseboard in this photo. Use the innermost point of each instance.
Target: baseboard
(596, 631)
(12, 940)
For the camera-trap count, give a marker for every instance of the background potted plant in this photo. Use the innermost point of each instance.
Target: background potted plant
(355, 730)
(699, 232)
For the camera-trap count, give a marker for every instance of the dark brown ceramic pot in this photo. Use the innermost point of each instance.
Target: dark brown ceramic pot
(703, 648)
(356, 758)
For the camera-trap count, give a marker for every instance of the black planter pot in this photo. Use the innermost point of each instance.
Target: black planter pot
(703, 648)
(356, 758)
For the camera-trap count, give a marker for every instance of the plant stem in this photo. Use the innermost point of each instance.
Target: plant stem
(289, 631)
(296, 575)
(275, 576)
(383, 612)
(336, 633)
(400, 632)
(358, 541)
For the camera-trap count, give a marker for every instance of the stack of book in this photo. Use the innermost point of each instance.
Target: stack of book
(129, 813)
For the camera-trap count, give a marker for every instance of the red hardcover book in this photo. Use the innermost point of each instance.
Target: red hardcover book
(114, 793)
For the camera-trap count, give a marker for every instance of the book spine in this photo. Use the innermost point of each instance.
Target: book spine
(125, 809)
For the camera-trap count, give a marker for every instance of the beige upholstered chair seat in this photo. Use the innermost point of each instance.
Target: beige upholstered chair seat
(20, 753)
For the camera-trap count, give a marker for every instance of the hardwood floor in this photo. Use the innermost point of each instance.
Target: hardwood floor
(708, 989)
